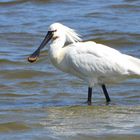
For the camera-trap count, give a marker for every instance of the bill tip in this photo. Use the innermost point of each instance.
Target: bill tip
(32, 59)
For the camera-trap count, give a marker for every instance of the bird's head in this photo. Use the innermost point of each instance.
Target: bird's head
(56, 31)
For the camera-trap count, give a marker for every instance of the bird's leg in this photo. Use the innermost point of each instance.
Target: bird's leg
(89, 96)
(106, 93)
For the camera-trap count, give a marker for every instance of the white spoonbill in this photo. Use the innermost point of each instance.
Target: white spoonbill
(94, 63)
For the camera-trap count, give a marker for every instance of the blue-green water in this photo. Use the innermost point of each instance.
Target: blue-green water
(38, 102)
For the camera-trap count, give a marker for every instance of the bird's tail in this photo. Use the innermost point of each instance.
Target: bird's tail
(133, 66)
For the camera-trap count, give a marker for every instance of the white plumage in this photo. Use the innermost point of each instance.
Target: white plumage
(92, 62)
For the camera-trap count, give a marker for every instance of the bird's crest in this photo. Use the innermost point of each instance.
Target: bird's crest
(71, 35)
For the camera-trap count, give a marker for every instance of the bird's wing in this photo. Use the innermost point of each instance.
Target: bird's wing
(91, 59)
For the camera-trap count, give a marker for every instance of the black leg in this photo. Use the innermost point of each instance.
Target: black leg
(106, 93)
(89, 95)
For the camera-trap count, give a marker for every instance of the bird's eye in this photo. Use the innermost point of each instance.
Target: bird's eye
(54, 30)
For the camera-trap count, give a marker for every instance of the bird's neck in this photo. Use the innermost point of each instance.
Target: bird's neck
(56, 45)
(56, 50)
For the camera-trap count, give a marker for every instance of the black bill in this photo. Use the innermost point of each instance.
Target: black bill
(33, 57)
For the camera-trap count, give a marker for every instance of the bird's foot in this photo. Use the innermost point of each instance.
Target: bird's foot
(88, 103)
(108, 102)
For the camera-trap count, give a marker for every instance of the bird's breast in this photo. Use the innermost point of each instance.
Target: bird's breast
(58, 60)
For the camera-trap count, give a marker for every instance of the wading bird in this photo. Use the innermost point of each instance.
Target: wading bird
(94, 63)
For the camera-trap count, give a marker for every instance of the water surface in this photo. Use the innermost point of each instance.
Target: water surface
(38, 101)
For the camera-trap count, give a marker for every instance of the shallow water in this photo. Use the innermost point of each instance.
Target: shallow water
(39, 102)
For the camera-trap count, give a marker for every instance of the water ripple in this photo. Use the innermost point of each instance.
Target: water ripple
(39, 102)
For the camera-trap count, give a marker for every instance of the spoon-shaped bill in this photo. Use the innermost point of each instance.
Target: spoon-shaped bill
(33, 57)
